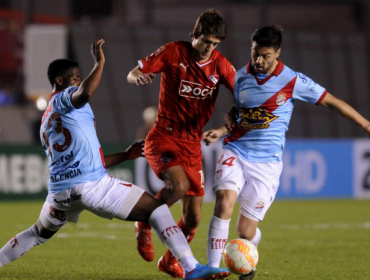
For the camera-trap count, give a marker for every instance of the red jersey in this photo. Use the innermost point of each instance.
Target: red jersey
(188, 88)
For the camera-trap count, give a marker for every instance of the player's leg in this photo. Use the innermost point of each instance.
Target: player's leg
(228, 180)
(218, 230)
(161, 154)
(37, 234)
(189, 222)
(255, 199)
(177, 184)
(140, 206)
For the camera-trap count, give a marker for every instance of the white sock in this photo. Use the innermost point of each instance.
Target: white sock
(218, 232)
(257, 237)
(172, 236)
(19, 245)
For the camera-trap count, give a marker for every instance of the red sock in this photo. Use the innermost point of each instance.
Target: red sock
(189, 235)
(144, 225)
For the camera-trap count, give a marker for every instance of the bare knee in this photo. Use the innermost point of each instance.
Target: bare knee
(225, 201)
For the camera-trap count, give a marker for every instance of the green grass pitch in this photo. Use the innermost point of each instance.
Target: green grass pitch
(323, 239)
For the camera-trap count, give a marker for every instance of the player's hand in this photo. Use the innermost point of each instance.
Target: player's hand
(135, 150)
(212, 136)
(145, 79)
(97, 51)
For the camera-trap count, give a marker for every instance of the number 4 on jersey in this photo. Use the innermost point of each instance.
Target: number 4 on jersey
(229, 161)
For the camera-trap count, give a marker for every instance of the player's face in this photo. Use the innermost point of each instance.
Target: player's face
(264, 59)
(204, 46)
(71, 78)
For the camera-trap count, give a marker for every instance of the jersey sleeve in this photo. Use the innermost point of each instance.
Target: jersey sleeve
(228, 75)
(63, 101)
(160, 60)
(307, 90)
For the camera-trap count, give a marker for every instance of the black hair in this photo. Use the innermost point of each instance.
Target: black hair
(59, 67)
(210, 23)
(268, 36)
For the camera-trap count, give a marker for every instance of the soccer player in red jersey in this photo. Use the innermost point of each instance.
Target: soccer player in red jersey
(191, 73)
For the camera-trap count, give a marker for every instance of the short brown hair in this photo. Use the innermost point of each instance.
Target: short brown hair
(268, 36)
(210, 23)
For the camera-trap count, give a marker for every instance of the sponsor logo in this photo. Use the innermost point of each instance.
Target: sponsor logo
(168, 232)
(218, 243)
(57, 214)
(194, 90)
(62, 159)
(183, 66)
(14, 242)
(69, 175)
(74, 197)
(259, 206)
(303, 78)
(281, 98)
(214, 78)
(255, 118)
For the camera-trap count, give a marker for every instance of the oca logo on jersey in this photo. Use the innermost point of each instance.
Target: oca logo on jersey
(194, 90)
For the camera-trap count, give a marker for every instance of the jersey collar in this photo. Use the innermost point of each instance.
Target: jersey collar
(279, 68)
(54, 93)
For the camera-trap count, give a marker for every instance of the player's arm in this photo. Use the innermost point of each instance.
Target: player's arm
(346, 111)
(133, 152)
(88, 87)
(214, 135)
(137, 77)
(230, 118)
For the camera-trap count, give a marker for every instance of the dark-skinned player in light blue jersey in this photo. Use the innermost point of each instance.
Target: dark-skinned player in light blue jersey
(250, 165)
(78, 179)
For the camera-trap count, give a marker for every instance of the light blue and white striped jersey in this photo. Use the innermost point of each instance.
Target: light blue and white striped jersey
(71, 144)
(265, 105)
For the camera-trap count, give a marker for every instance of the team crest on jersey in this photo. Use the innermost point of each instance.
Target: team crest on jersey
(281, 98)
(255, 118)
(260, 205)
(214, 78)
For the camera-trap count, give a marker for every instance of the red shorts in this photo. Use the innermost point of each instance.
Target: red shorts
(163, 151)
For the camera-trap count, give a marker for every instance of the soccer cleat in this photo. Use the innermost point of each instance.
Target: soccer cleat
(248, 276)
(144, 243)
(203, 272)
(175, 269)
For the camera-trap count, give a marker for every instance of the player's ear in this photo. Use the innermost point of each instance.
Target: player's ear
(59, 80)
(278, 52)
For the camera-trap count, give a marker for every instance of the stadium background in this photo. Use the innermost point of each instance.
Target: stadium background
(326, 156)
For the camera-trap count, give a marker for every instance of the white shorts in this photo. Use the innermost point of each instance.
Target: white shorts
(255, 183)
(108, 198)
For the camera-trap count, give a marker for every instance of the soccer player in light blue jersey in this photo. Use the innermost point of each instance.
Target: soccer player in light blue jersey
(251, 162)
(78, 178)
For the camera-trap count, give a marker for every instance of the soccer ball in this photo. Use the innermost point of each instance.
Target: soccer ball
(240, 256)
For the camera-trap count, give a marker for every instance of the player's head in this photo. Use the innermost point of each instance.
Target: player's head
(209, 30)
(210, 23)
(63, 73)
(266, 48)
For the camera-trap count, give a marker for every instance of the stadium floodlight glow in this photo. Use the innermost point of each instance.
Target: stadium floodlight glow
(41, 103)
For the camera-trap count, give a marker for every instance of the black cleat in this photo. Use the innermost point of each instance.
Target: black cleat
(248, 276)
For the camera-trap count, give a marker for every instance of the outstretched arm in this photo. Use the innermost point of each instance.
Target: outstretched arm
(137, 77)
(88, 87)
(346, 111)
(133, 152)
